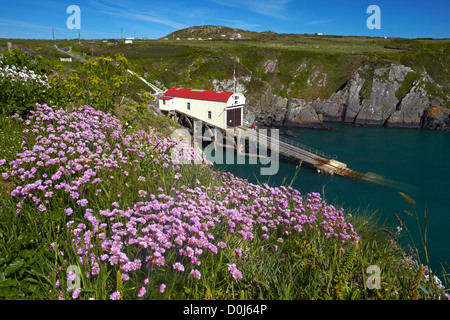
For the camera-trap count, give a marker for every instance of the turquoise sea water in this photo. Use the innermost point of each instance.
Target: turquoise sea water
(417, 162)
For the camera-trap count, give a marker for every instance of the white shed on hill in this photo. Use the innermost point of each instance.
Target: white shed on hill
(217, 108)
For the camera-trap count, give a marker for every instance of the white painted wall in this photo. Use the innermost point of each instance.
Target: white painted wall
(236, 99)
(166, 105)
(199, 108)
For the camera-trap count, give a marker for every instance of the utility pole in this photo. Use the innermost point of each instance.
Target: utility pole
(78, 34)
(121, 34)
(53, 31)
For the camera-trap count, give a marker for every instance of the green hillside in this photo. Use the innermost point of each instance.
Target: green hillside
(291, 65)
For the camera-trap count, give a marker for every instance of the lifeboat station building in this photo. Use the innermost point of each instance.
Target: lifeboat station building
(217, 108)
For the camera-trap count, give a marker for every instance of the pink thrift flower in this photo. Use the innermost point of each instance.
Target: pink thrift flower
(82, 202)
(71, 275)
(196, 274)
(234, 271)
(222, 244)
(141, 292)
(68, 211)
(76, 293)
(115, 295)
(142, 193)
(178, 266)
(162, 288)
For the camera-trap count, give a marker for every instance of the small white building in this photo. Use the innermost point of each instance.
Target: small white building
(235, 36)
(217, 108)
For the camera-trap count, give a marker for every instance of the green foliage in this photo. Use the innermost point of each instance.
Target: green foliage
(16, 57)
(407, 84)
(342, 276)
(10, 137)
(26, 80)
(305, 266)
(101, 83)
(23, 258)
(413, 294)
(119, 283)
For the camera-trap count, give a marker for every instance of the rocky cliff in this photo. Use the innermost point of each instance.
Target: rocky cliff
(390, 96)
(309, 80)
(383, 105)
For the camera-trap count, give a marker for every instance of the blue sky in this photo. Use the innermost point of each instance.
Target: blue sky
(156, 18)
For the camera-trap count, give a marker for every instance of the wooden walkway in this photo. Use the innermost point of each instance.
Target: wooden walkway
(323, 162)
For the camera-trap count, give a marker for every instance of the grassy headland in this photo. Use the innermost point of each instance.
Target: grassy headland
(91, 193)
(303, 66)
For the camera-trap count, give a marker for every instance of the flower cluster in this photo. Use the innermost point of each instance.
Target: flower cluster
(74, 152)
(23, 75)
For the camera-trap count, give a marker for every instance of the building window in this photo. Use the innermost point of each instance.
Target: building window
(189, 106)
(209, 114)
(164, 102)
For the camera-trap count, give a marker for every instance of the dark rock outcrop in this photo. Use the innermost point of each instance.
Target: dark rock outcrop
(436, 118)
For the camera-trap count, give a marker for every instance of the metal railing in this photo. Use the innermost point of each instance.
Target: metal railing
(300, 146)
(307, 148)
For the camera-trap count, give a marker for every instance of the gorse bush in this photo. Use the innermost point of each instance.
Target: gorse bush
(100, 83)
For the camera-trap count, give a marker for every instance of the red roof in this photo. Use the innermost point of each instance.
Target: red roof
(209, 95)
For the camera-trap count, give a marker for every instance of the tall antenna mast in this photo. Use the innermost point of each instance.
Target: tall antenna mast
(234, 76)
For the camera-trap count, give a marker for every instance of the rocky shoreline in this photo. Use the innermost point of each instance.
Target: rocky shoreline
(378, 102)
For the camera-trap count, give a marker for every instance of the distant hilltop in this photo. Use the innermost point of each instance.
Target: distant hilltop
(214, 32)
